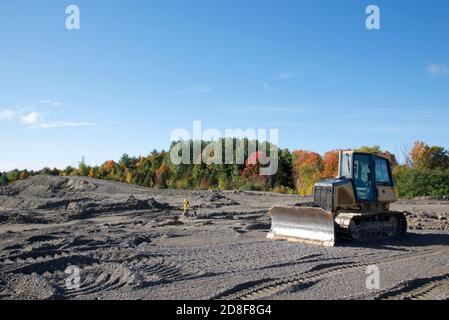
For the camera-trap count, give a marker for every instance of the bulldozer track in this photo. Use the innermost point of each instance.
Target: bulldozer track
(167, 271)
(420, 289)
(267, 287)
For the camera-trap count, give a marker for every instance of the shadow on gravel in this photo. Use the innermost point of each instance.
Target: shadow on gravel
(406, 290)
(424, 239)
(398, 244)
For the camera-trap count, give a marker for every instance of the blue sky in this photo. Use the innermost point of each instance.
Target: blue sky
(138, 69)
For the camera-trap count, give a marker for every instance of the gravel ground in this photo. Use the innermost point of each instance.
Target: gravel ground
(130, 242)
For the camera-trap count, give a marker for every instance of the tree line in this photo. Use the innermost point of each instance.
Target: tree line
(425, 171)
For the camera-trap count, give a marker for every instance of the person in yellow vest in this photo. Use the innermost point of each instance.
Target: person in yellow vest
(186, 206)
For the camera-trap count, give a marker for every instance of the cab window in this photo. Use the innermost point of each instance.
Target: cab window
(363, 177)
(383, 177)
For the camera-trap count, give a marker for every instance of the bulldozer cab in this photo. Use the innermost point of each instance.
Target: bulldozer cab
(371, 175)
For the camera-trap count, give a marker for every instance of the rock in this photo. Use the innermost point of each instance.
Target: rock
(75, 208)
(136, 204)
(441, 216)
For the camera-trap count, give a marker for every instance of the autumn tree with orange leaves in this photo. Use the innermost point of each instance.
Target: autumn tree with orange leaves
(24, 175)
(330, 164)
(307, 168)
(427, 157)
(108, 170)
(162, 175)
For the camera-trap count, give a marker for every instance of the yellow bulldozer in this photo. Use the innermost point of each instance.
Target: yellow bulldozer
(354, 206)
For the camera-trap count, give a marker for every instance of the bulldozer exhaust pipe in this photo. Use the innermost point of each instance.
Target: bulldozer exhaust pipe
(340, 163)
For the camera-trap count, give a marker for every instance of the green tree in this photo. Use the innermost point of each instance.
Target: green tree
(68, 171)
(373, 149)
(3, 179)
(126, 161)
(83, 168)
(416, 182)
(13, 175)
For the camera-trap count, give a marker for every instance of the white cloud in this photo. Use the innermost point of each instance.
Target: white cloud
(285, 75)
(437, 69)
(7, 115)
(63, 124)
(195, 90)
(266, 86)
(31, 118)
(50, 102)
(34, 120)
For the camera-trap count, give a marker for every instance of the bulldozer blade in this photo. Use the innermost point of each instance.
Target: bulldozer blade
(302, 224)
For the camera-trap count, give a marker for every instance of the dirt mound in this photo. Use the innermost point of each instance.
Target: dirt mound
(42, 186)
(84, 209)
(52, 199)
(151, 203)
(216, 200)
(43, 192)
(437, 221)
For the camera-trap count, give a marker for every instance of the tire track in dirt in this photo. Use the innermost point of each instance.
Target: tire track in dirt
(267, 287)
(100, 278)
(103, 268)
(162, 269)
(99, 275)
(52, 265)
(419, 289)
(137, 273)
(165, 271)
(33, 257)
